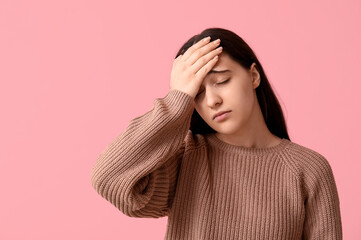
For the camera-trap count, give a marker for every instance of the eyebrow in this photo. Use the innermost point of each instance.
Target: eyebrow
(220, 71)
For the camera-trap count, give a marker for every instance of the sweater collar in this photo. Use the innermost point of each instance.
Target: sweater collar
(214, 141)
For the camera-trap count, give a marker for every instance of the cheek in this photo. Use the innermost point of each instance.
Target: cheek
(199, 110)
(242, 101)
(202, 111)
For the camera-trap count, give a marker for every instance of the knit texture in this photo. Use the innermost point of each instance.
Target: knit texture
(210, 189)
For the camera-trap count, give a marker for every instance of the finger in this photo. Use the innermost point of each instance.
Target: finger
(201, 74)
(202, 51)
(177, 58)
(195, 46)
(205, 59)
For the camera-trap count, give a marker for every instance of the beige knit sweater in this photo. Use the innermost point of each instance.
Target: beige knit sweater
(210, 189)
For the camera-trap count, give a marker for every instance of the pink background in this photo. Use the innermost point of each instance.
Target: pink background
(74, 73)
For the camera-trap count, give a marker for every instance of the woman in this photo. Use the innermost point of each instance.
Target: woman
(215, 157)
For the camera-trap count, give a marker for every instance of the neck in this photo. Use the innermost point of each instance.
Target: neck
(254, 134)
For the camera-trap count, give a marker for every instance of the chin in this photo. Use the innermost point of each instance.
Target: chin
(226, 130)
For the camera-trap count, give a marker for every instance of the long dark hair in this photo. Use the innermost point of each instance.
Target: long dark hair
(240, 52)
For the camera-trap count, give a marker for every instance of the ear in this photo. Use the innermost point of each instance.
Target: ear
(255, 76)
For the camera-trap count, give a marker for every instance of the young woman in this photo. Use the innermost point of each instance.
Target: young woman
(215, 157)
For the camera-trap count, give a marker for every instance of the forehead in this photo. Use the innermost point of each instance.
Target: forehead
(224, 65)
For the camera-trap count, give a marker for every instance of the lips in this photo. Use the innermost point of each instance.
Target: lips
(219, 113)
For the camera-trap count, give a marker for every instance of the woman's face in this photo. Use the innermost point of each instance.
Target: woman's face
(232, 90)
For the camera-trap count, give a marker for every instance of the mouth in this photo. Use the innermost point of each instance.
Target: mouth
(220, 115)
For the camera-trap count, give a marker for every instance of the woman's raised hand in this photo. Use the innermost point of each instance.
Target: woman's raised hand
(189, 69)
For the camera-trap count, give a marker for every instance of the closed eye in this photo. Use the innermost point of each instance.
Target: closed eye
(224, 81)
(218, 83)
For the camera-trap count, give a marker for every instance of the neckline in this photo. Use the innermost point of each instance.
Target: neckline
(215, 141)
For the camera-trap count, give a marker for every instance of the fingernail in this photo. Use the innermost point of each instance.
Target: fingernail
(206, 38)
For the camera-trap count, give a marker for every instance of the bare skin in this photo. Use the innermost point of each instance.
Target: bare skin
(190, 68)
(232, 91)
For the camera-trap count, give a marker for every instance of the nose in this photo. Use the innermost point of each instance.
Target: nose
(213, 98)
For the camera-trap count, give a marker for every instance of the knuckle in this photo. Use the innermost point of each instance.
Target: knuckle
(197, 54)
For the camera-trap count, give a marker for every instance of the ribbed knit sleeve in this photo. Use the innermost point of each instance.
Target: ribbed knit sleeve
(322, 205)
(138, 170)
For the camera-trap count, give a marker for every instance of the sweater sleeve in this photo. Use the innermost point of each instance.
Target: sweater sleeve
(137, 172)
(322, 204)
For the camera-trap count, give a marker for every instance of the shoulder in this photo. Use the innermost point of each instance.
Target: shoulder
(303, 158)
(311, 167)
